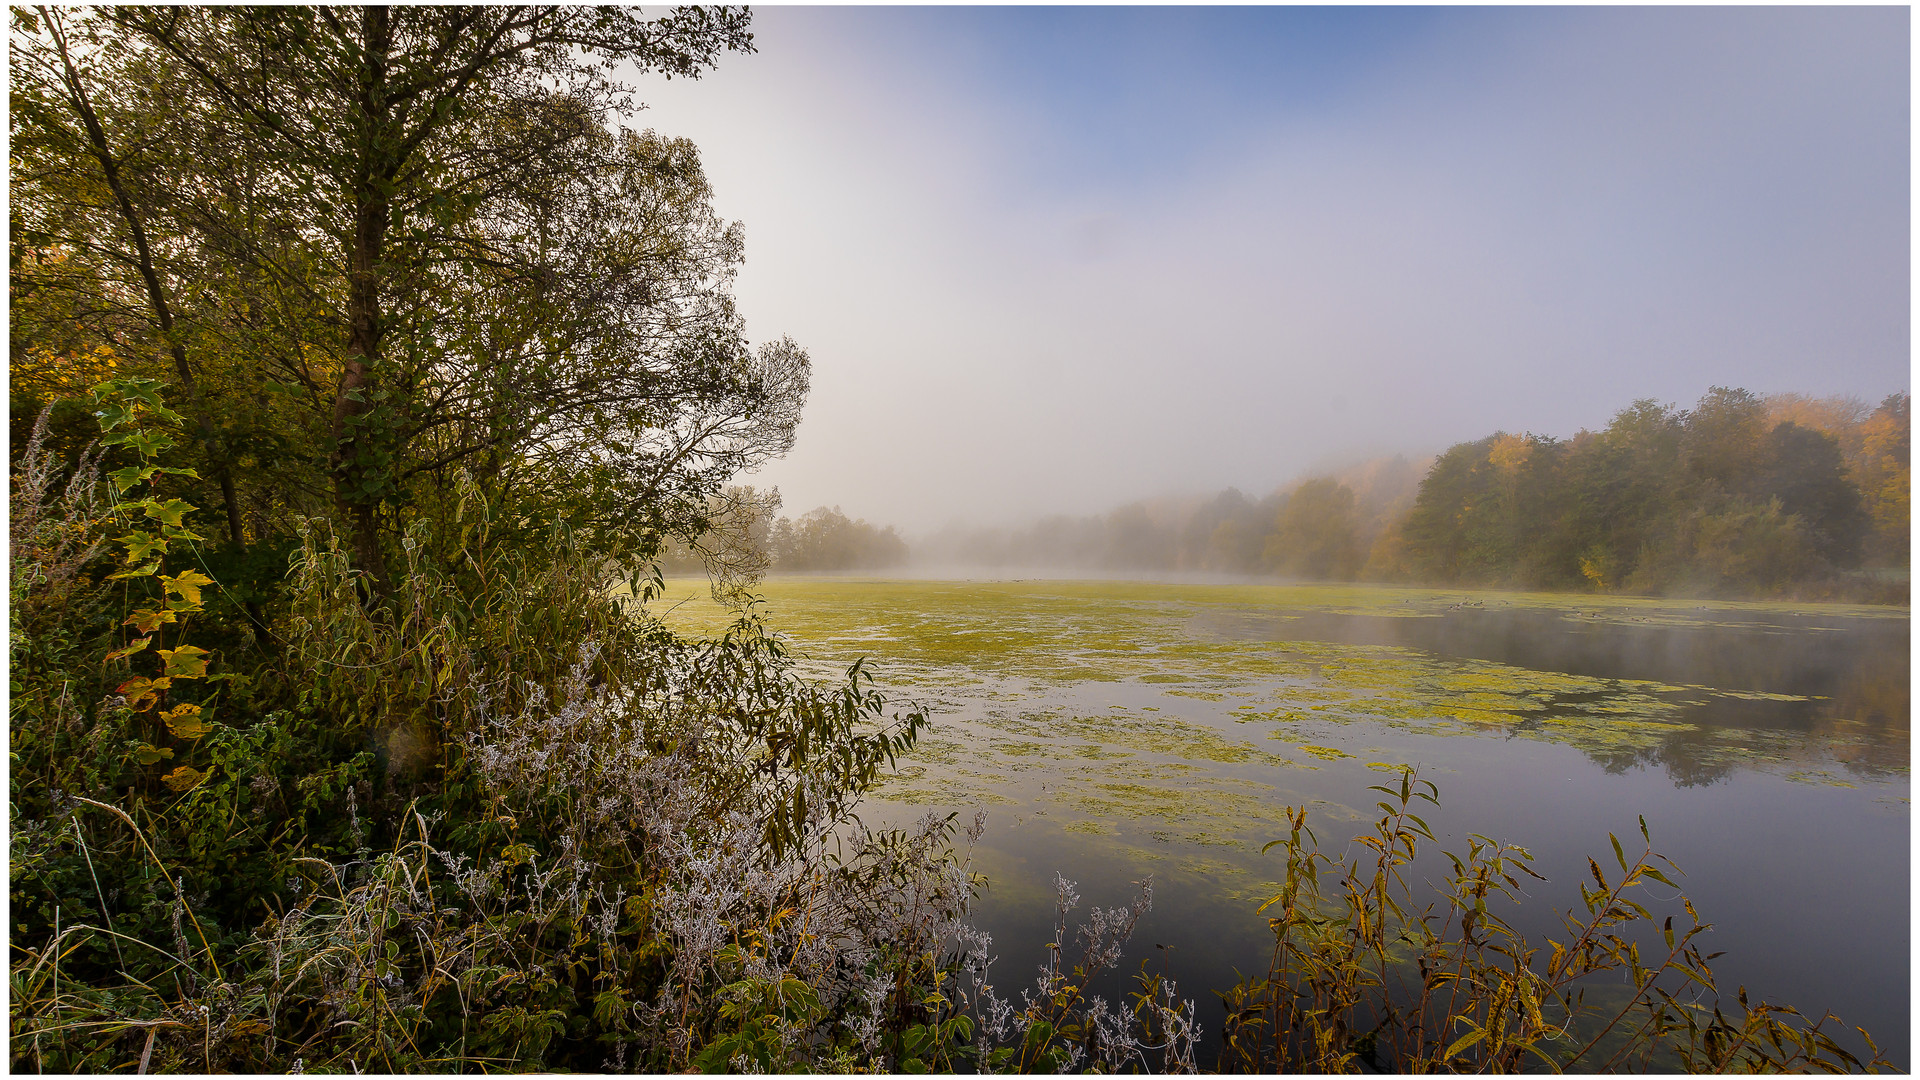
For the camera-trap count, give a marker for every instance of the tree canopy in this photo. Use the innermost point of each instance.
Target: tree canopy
(1739, 494)
(1725, 496)
(379, 248)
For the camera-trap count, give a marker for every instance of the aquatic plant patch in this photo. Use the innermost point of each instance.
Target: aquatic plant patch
(1039, 646)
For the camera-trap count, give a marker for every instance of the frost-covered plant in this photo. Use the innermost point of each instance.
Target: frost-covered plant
(52, 524)
(1059, 1026)
(676, 851)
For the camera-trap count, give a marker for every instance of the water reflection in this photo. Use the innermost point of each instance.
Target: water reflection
(1859, 665)
(1117, 729)
(1839, 683)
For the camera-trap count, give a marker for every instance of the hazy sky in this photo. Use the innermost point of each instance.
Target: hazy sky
(1059, 258)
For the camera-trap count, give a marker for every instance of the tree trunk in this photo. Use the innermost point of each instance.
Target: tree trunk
(156, 296)
(355, 459)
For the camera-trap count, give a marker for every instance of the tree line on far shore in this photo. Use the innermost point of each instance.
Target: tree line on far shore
(1741, 494)
(747, 539)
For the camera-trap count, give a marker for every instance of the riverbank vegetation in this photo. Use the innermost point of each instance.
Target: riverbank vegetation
(1379, 965)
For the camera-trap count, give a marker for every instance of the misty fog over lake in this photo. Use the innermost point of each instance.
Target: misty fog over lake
(1056, 260)
(1194, 387)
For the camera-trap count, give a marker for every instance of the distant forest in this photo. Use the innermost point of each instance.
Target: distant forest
(746, 539)
(1739, 495)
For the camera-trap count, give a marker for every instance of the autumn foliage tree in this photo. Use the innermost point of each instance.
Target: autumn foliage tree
(380, 247)
(1725, 496)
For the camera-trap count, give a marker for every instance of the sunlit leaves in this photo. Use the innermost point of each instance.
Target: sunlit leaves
(140, 544)
(146, 570)
(186, 721)
(185, 662)
(169, 512)
(147, 620)
(121, 402)
(186, 585)
(143, 693)
(139, 644)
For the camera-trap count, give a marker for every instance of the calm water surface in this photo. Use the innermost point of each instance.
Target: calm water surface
(1115, 730)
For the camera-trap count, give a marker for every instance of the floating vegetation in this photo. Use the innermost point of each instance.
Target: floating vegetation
(1181, 707)
(1325, 753)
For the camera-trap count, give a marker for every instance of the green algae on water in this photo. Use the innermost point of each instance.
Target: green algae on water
(1114, 695)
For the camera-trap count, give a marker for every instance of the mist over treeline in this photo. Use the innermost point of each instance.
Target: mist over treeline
(1740, 495)
(748, 538)
(1320, 529)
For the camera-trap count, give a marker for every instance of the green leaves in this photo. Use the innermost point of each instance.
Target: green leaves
(131, 402)
(186, 585)
(111, 414)
(147, 754)
(185, 662)
(140, 544)
(131, 393)
(124, 479)
(147, 444)
(170, 512)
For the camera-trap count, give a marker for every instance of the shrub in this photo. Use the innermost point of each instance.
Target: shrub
(1366, 970)
(494, 817)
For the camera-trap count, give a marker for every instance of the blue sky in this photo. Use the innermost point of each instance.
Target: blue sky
(1120, 97)
(1058, 258)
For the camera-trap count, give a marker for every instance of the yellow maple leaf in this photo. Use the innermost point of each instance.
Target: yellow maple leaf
(147, 620)
(143, 693)
(186, 585)
(183, 778)
(185, 721)
(185, 662)
(138, 644)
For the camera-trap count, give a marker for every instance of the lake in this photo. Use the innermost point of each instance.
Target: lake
(1119, 729)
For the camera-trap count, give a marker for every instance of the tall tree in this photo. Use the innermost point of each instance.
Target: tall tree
(104, 180)
(1803, 470)
(418, 230)
(1885, 476)
(1315, 533)
(1724, 435)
